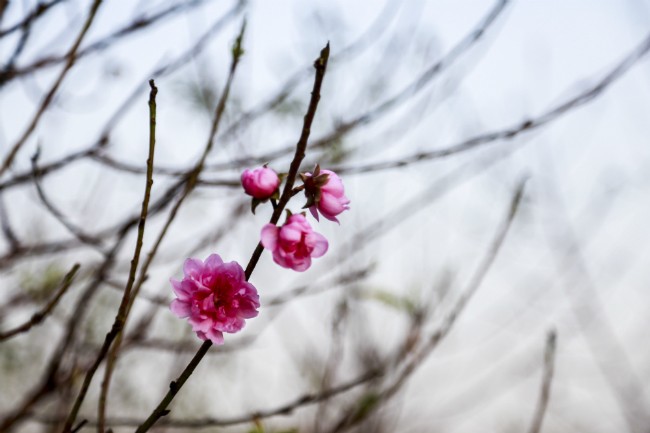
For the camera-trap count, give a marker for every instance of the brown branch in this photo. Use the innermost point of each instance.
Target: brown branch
(38, 317)
(47, 100)
(547, 379)
(174, 387)
(120, 318)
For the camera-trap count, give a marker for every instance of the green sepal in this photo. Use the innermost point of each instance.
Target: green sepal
(256, 202)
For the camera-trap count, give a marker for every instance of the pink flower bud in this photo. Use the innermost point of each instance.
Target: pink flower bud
(215, 297)
(328, 198)
(260, 183)
(294, 244)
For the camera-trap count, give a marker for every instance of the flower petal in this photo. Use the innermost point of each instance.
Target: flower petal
(318, 243)
(180, 308)
(269, 236)
(213, 261)
(192, 268)
(301, 264)
(215, 336)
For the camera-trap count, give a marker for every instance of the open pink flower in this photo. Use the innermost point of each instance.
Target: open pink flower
(260, 183)
(294, 244)
(326, 194)
(215, 297)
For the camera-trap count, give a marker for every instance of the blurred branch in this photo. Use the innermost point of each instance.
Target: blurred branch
(49, 97)
(38, 11)
(409, 364)
(549, 116)
(344, 128)
(7, 230)
(285, 409)
(350, 277)
(375, 113)
(138, 24)
(547, 378)
(95, 150)
(56, 213)
(53, 375)
(607, 350)
(38, 317)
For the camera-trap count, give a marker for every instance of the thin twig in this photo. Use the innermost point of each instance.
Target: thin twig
(121, 314)
(547, 379)
(42, 314)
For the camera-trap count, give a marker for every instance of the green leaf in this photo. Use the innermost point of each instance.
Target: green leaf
(254, 203)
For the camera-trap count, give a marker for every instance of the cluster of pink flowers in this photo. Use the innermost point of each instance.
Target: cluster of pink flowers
(295, 243)
(215, 296)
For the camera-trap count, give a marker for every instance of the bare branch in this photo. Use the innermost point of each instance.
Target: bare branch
(41, 315)
(120, 318)
(47, 100)
(547, 379)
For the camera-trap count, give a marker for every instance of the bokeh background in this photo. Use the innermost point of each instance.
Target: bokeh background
(491, 275)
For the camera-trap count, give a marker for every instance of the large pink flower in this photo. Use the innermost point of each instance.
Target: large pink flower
(260, 183)
(329, 198)
(294, 244)
(215, 297)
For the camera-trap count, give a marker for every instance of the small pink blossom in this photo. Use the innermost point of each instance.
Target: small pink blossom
(294, 244)
(215, 297)
(260, 183)
(326, 194)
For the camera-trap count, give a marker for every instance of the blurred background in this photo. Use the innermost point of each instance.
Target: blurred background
(491, 275)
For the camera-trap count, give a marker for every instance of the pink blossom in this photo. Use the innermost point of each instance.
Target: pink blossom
(215, 297)
(260, 183)
(294, 244)
(330, 201)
